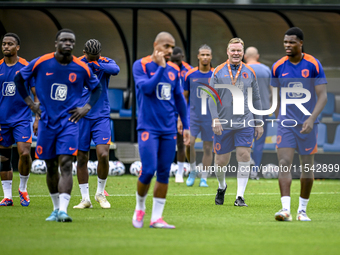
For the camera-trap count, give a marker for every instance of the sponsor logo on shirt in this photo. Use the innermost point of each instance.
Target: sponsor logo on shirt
(58, 92)
(8, 89)
(163, 91)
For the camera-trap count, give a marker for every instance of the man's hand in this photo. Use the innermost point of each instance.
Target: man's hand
(307, 126)
(186, 137)
(35, 125)
(35, 107)
(3, 158)
(217, 127)
(258, 132)
(179, 126)
(79, 113)
(159, 58)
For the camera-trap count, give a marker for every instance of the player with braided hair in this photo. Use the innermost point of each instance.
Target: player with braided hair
(96, 126)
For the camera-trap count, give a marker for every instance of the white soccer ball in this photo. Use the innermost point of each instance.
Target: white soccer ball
(74, 168)
(95, 164)
(135, 168)
(39, 167)
(186, 168)
(116, 168)
(111, 167)
(91, 168)
(270, 171)
(119, 168)
(173, 169)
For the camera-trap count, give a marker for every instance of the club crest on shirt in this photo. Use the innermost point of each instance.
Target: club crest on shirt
(305, 73)
(163, 91)
(8, 89)
(59, 92)
(72, 77)
(172, 76)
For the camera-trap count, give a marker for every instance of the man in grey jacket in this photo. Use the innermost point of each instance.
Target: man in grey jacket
(232, 85)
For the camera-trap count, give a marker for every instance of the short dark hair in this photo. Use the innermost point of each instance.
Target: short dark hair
(93, 47)
(64, 30)
(15, 36)
(204, 47)
(295, 31)
(177, 50)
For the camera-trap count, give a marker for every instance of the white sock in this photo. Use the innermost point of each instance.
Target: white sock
(220, 175)
(303, 204)
(180, 168)
(193, 167)
(101, 185)
(64, 200)
(7, 188)
(243, 172)
(204, 172)
(157, 208)
(84, 190)
(140, 204)
(23, 182)
(285, 202)
(55, 200)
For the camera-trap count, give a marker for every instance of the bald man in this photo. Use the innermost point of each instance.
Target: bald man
(263, 74)
(159, 96)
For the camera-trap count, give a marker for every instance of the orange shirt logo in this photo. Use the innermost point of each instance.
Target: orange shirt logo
(217, 146)
(305, 73)
(278, 139)
(171, 76)
(245, 75)
(145, 136)
(39, 149)
(72, 77)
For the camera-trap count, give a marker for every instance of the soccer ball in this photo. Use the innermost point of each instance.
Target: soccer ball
(186, 168)
(111, 167)
(119, 168)
(95, 164)
(173, 170)
(116, 168)
(91, 168)
(135, 168)
(74, 168)
(39, 167)
(270, 171)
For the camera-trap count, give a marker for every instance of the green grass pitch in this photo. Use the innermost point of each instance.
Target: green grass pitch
(201, 226)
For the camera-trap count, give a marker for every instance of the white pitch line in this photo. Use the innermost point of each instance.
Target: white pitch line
(201, 195)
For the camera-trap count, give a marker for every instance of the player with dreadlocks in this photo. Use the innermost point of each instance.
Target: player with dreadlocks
(95, 126)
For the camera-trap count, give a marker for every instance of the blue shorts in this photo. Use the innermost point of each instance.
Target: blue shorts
(15, 132)
(98, 129)
(207, 134)
(157, 152)
(290, 137)
(54, 142)
(230, 139)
